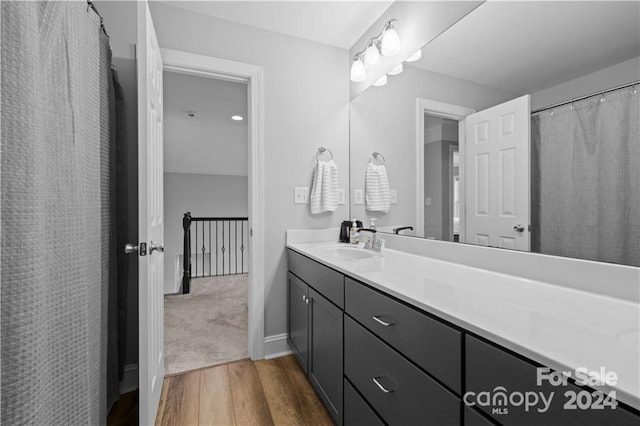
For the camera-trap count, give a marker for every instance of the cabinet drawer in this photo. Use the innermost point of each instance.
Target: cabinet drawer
(325, 280)
(488, 366)
(471, 418)
(403, 394)
(434, 346)
(356, 411)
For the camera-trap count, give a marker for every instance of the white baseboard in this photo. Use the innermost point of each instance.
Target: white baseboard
(129, 382)
(276, 346)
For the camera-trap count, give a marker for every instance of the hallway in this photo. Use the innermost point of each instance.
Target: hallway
(208, 326)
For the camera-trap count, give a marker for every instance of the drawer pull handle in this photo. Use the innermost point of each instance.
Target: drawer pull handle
(382, 388)
(381, 322)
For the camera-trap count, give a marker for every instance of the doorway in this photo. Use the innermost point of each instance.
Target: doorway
(441, 178)
(251, 77)
(440, 188)
(206, 182)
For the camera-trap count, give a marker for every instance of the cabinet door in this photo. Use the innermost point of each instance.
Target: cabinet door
(299, 320)
(356, 411)
(325, 361)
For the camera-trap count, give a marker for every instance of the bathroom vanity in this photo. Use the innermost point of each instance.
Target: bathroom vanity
(398, 338)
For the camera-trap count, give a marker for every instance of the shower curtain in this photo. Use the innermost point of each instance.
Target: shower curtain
(586, 179)
(58, 259)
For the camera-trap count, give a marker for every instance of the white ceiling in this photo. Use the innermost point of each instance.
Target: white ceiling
(337, 23)
(210, 142)
(524, 47)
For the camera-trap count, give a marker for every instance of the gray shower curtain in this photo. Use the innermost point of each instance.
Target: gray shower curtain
(57, 213)
(586, 179)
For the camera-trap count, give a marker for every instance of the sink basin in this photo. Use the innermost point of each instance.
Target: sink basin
(346, 252)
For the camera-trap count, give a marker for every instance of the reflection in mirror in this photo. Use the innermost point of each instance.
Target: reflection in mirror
(441, 179)
(572, 189)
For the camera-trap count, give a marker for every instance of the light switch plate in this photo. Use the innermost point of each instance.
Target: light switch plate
(341, 196)
(427, 201)
(394, 196)
(300, 195)
(357, 196)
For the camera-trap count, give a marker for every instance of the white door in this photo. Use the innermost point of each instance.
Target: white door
(150, 216)
(497, 193)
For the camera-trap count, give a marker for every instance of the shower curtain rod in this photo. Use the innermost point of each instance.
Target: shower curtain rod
(601, 92)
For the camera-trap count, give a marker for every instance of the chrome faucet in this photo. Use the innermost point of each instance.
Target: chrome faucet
(402, 228)
(373, 243)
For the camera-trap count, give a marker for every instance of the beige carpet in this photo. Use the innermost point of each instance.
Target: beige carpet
(207, 326)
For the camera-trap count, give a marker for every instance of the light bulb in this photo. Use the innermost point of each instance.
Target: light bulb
(415, 56)
(397, 70)
(371, 56)
(381, 82)
(358, 72)
(390, 42)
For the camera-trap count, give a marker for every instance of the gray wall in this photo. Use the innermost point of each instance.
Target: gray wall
(203, 196)
(306, 95)
(622, 73)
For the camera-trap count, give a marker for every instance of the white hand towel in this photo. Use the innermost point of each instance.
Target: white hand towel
(324, 187)
(377, 193)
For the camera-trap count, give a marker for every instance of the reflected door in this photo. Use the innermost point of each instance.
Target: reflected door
(497, 190)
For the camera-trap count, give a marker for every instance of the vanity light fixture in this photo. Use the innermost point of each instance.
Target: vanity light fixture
(397, 70)
(381, 81)
(417, 55)
(387, 43)
(371, 55)
(237, 117)
(358, 71)
(390, 40)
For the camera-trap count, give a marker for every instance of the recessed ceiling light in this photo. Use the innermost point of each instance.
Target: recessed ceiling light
(237, 117)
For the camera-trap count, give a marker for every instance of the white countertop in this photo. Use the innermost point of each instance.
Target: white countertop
(560, 327)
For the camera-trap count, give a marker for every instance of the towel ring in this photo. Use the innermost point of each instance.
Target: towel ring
(377, 156)
(322, 150)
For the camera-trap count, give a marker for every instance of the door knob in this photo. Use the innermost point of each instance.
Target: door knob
(153, 247)
(518, 228)
(132, 248)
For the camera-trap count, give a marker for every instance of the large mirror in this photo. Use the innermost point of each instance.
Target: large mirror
(473, 153)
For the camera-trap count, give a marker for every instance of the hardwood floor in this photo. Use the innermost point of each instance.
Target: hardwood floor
(273, 392)
(124, 411)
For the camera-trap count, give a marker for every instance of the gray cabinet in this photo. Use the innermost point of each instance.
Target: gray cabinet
(315, 327)
(356, 411)
(432, 345)
(489, 367)
(399, 391)
(399, 365)
(299, 320)
(325, 356)
(325, 280)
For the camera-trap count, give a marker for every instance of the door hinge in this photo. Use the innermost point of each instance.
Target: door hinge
(251, 232)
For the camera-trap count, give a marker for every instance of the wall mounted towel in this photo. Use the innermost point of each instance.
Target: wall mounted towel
(324, 187)
(377, 193)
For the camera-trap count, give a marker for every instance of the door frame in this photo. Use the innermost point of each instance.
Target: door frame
(445, 110)
(253, 75)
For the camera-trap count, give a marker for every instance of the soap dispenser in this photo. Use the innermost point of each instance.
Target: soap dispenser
(353, 234)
